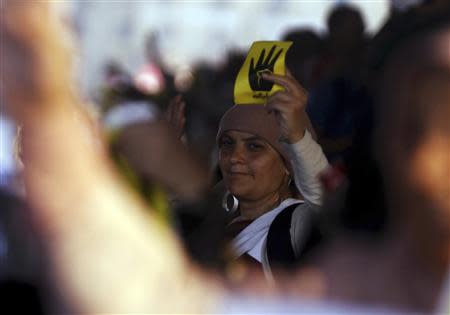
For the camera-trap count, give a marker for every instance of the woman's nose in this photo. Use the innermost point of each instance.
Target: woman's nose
(237, 155)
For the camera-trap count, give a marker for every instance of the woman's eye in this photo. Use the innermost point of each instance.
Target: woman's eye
(225, 143)
(255, 146)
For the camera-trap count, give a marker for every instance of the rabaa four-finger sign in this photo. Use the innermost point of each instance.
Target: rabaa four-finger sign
(263, 57)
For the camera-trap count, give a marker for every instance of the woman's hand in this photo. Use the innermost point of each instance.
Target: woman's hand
(289, 106)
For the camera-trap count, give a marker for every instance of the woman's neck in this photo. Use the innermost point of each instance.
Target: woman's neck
(252, 209)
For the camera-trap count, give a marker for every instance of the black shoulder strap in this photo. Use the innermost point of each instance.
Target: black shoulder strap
(279, 244)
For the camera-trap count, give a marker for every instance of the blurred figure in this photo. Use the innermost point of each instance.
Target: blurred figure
(118, 84)
(22, 272)
(152, 78)
(147, 146)
(144, 141)
(345, 42)
(338, 98)
(393, 247)
(115, 76)
(304, 55)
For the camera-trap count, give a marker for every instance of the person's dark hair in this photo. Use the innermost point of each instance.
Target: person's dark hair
(305, 43)
(345, 15)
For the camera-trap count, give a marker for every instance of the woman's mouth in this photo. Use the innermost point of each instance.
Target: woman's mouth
(237, 174)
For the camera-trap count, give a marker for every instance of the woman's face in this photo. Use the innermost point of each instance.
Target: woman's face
(251, 168)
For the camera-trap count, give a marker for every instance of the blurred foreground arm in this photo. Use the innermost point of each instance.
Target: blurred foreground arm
(107, 254)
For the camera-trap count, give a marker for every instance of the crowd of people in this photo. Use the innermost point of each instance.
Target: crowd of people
(331, 198)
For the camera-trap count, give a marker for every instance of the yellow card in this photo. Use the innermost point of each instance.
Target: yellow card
(263, 57)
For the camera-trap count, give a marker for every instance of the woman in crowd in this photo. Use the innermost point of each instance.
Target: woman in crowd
(270, 164)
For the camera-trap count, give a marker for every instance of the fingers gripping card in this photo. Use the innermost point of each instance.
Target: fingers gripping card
(263, 57)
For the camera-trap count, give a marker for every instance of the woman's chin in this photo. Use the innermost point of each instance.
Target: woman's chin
(237, 191)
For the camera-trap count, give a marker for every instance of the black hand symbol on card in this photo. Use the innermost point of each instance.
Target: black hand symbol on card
(257, 83)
